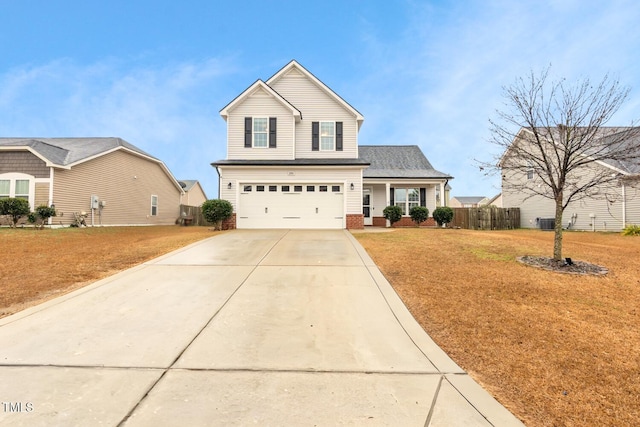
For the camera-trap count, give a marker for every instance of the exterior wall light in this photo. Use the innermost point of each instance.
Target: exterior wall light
(352, 186)
(229, 185)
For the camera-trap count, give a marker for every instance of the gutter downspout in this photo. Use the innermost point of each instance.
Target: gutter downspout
(219, 177)
(624, 206)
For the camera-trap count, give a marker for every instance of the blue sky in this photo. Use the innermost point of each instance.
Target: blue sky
(431, 73)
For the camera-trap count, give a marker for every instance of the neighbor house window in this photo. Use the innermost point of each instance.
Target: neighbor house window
(406, 198)
(529, 170)
(5, 188)
(22, 189)
(154, 205)
(17, 185)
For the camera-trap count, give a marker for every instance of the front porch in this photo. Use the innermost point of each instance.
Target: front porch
(378, 194)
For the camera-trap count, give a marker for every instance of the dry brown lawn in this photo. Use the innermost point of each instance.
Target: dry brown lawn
(41, 264)
(555, 349)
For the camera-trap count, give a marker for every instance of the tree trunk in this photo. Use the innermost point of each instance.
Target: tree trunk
(557, 238)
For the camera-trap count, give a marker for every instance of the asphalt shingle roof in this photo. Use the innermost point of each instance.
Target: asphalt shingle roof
(397, 161)
(67, 151)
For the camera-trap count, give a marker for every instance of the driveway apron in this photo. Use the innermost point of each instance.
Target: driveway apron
(264, 327)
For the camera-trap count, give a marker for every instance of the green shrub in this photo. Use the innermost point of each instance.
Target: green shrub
(419, 214)
(41, 215)
(15, 208)
(631, 230)
(443, 215)
(216, 211)
(392, 213)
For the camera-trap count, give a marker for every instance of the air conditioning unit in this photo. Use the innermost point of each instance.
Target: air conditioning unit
(547, 223)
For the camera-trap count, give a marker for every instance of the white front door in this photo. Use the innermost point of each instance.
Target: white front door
(366, 206)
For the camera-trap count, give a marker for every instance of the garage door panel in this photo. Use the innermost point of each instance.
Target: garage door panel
(299, 207)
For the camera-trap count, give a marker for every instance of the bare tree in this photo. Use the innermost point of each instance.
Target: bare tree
(556, 131)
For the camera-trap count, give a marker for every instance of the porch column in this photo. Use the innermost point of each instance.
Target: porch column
(387, 190)
(443, 199)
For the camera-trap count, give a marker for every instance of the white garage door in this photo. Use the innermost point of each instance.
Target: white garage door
(290, 206)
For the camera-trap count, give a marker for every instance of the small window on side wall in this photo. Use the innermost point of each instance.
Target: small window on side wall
(154, 205)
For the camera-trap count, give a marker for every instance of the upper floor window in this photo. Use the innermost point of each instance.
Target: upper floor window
(260, 132)
(326, 136)
(529, 170)
(260, 129)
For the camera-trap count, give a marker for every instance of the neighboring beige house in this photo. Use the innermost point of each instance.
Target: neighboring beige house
(293, 160)
(608, 208)
(495, 201)
(468, 201)
(112, 181)
(193, 193)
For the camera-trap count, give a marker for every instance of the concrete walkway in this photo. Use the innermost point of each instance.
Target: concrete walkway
(268, 327)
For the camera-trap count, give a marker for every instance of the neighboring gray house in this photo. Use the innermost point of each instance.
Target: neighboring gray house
(294, 161)
(608, 208)
(111, 180)
(468, 201)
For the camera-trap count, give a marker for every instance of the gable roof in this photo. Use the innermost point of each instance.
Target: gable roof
(293, 64)
(64, 153)
(397, 161)
(470, 200)
(609, 135)
(259, 84)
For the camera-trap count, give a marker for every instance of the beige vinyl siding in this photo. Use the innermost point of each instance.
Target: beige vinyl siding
(125, 181)
(23, 162)
(194, 197)
(632, 191)
(41, 194)
(589, 214)
(344, 176)
(260, 104)
(316, 105)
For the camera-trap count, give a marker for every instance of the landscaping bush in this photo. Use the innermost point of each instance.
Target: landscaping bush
(216, 211)
(443, 215)
(40, 216)
(631, 230)
(15, 208)
(392, 213)
(419, 214)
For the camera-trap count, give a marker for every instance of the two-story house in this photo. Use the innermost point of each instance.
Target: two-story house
(293, 160)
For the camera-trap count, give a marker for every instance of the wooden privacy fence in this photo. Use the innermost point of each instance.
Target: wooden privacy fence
(486, 218)
(193, 215)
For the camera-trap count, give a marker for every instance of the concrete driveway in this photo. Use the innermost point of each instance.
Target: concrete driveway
(266, 327)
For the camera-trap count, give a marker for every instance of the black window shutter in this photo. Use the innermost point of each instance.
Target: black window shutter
(272, 132)
(248, 123)
(423, 197)
(391, 196)
(338, 136)
(315, 136)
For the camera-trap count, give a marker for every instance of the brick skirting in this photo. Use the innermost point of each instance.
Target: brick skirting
(406, 221)
(355, 221)
(229, 224)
